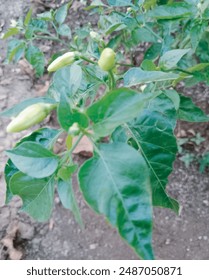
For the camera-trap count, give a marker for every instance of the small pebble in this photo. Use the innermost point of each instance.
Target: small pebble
(93, 246)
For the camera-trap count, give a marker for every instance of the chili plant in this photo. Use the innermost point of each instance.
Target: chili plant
(126, 107)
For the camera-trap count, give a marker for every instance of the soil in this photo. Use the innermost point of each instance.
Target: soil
(174, 237)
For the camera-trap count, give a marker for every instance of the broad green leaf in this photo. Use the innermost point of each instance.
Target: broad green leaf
(189, 112)
(153, 133)
(64, 30)
(67, 80)
(204, 162)
(117, 107)
(61, 14)
(112, 22)
(64, 113)
(11, 31)
(65, 172)
(45, 137)
(35, 26)
(174, 97)
(33, 159)
(135, 76)
(149, 4)
(95, 4)
(28, 17)
(119, 3)
(198, 67)
(114, 27)
(148, 65)
(15, 50)
(14, 111)
(143, 35)
(9, 170)
(172, 11)
(194, 70)
(67, 117)
(119, 135)
(196, 34)
(36, 58)
(115, 183)
(170, 59)
(153, 51)
(37, 195)
(46, 16)
(67, 197)
(187, 159)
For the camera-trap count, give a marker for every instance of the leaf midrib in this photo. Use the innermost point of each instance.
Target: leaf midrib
(148, 162)
(117, 191)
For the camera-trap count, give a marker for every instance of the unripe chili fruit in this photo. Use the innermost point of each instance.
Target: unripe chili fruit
(30, 116)
(63, 60)
(107, 59)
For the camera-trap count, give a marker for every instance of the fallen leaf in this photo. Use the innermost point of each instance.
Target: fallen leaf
(84, 148)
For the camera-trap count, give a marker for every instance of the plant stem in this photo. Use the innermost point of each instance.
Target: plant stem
(111, 80)
(87, 59)
(69, 153)
(153, 33)
(52, 39)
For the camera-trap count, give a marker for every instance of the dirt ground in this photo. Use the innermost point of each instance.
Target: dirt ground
(175, 237)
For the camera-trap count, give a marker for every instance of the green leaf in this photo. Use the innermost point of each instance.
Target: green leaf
(204, 162)
(37, 195)
(143, 35)
(35, 26)
(170, 59)
(11, 31)
(28, 17)
(174, 97)
(46, 16)
(115, 183)
(119, 3)
(187, 159)
(95, 4)
(135, 76)
(112, 22)
(196, 34)
(61, 14)
(189, 112)
(153, 51)
(15, 50)
(67, 117)
(67, 197)
(153, 133)
(67, 80)
(64, 113)
(9, 170)
(114, 27)
(33, 159)
(36, 58)
(64, 30)
(148, 65)
(171, 11)
(15, 110)
(65, 172)
(117, 107)
(149, 4)
(45, 137)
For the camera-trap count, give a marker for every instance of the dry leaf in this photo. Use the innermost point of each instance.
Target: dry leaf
(84, 148)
